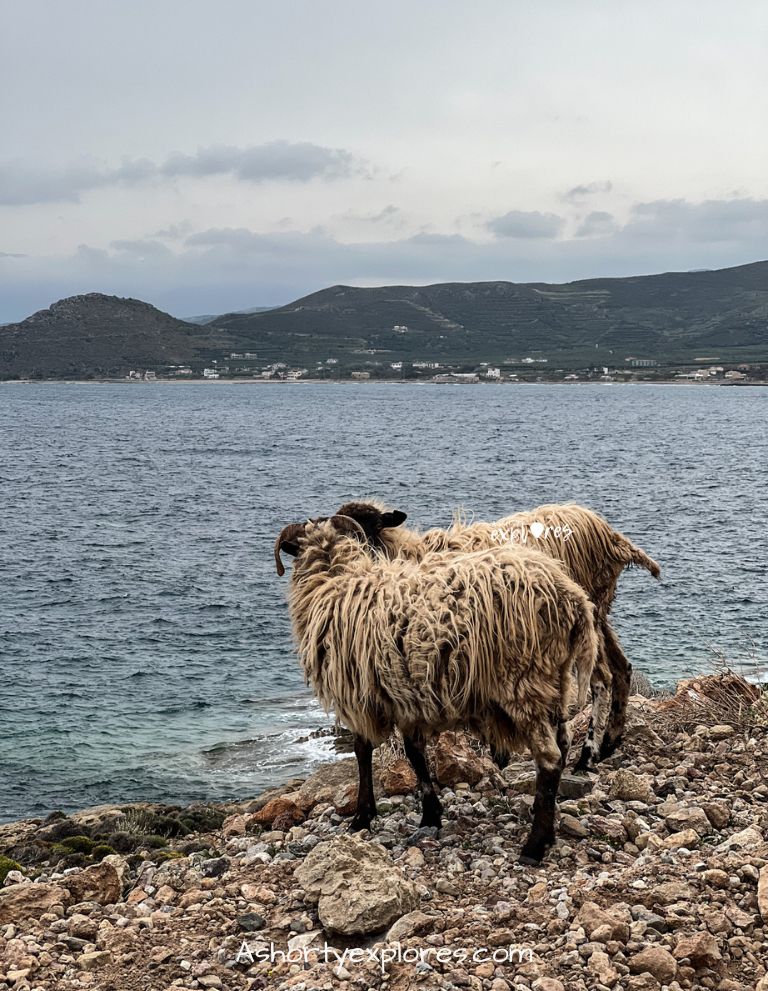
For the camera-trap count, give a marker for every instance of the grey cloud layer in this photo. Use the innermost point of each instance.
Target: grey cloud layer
(274, 161)
(223, 268)
(579, 193)
(526, 224)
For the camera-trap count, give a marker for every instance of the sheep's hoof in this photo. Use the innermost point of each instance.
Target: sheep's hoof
(500, 757)
(584, 764)
(608, 748)
(528, 861)
(431, 812)
(359, 823)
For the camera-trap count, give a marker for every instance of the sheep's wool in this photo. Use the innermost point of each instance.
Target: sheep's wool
(593, 552)
(490, 640)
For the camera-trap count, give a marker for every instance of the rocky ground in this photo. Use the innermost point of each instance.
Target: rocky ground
(659, 878)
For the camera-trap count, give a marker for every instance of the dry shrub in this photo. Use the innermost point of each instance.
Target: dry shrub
(723, 699)
(640, 685)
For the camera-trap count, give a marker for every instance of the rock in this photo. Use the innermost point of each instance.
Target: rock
(630, 787)
(454, 759)
(99, 883)
(413, 858)
(617, 920)
(718, 813)
(214, 867)
(600, 965)
(325, 783)
(656, 961)
(762, 893)
(575, 785)
(672, 891)
(613, 829)
(690, 818)
(409, 925)
(637, 728)
(643, 982)
(701, 949)
(570, 826)
(345, 799)
(95, 960)
(83, 927)
(548, 984)
(258, 893)
(257, 804)
(571, 785)
(356, 885)
(745, 839)
(283, 808)
(721, 732)
(235, 825)
(251, 922)
(30, 901)
(687, 838)
(397, 778)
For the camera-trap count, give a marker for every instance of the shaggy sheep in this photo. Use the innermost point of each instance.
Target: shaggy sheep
(488, 641)
(595, 555)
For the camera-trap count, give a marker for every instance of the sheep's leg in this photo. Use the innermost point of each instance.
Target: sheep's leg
(431, 808)
(600, 686)
(366, 800)
(500, 756)
(563, 741)
(548, 748)
(621, 670)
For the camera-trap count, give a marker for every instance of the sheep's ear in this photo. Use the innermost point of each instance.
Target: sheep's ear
(395, 518)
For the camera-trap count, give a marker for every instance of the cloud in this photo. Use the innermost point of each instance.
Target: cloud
(711, 221)
(275, 161)
(526, 224)
(278, 160)
(230, 268)
(597, 224)
(175, 232)
(579, 193)
(11, 254)
(388, 214)
(141, 248)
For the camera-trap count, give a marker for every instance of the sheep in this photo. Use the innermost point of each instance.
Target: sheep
(489, 641)
(595, 555)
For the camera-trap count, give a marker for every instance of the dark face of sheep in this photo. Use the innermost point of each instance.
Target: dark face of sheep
(291, 536)
(372, 519)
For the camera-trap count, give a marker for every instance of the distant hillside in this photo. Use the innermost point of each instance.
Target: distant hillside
(96, 334)
(672, 317)
(204, 318)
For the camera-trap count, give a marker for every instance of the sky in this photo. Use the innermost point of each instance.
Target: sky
(212, 157)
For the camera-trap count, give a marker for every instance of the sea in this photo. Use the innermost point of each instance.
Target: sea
(145, 647)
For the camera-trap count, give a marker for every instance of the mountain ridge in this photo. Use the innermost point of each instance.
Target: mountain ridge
(670, 318)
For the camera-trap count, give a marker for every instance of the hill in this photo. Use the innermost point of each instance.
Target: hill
(674, 317)
(204, 318)
(94, 334)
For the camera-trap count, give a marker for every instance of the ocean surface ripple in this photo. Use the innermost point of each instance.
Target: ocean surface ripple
(145, 648)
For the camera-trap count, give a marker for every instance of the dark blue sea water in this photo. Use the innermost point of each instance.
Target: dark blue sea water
(144, 642)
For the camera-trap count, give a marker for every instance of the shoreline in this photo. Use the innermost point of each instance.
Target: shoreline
(369, 382)
(658, 877)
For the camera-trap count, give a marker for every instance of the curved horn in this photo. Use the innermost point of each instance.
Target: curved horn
(345, 524)
(288, 534)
